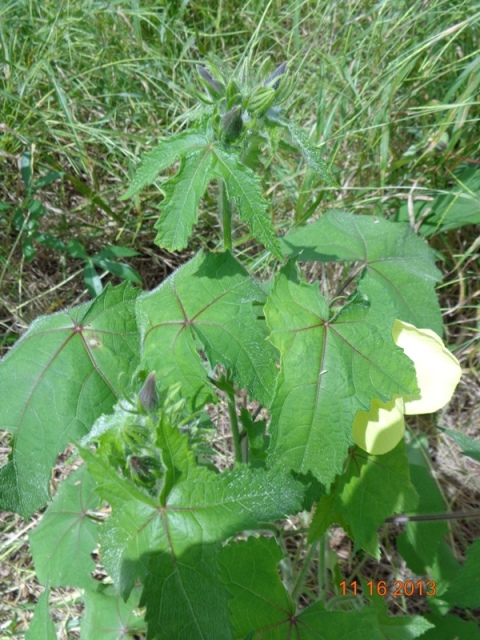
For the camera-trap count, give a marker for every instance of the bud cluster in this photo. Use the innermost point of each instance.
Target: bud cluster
(239, 105)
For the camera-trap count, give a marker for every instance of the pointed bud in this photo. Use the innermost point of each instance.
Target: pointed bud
(232, 124)
(216, 89)
(260, 100)
(279, 71)
(148, 394)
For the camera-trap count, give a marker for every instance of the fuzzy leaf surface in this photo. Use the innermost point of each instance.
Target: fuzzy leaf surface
(331, 367)
(261, 606)
(162, 156)
(179, 209)
(243, 186)
(391, 254)
(54, 384)
(371, 490)
(63, 541)
(207, 304)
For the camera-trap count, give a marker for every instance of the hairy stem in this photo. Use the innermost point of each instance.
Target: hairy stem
(232, 412)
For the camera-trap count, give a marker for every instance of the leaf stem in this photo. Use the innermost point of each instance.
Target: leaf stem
(232, 412)
(226, 215)
(298, 586)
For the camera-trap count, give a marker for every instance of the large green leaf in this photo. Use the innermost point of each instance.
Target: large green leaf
(261, 606)
(179, 209)
(65, 538)
(207, 304)
(171, 542)
(371, 490)
(243, 186)
(162, 156)
(108, 617)
(390, 253)
(54, 384)
(331, 367)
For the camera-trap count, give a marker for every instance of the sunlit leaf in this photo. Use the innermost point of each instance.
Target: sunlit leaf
(65, 538)
(391, 254)
(55, 382)
(207, 304)
(331, 367)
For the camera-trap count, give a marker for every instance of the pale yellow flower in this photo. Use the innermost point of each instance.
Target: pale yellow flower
(438, 373)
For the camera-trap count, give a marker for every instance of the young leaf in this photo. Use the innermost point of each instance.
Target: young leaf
(162, 156)
(311, 152)
(330, 369)
(371, 490)
(207, 303)
(469, 446)
(41, 625)
(261, 606)
(243, 186)
(392, 254)
(55, 382)
(179, 210)
(108, 617)
(63, 541)
(451, 626)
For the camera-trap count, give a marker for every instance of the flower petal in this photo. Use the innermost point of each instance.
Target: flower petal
(379, 430)
(438, 371)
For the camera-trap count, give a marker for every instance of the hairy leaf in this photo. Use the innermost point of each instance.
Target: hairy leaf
(207, 304)
(244, 187)
(389, 253)
(331, 367)
(162, 156)
(54, 384)
(371, 490)
(63, 541)
(179, 210)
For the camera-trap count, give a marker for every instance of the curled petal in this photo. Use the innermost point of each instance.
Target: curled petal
(379, 430)
(438, 371)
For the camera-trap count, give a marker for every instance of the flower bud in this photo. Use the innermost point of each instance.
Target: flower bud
(275, 76)
(148, 394)
(232, 124)
(215, 88)
(260, 100)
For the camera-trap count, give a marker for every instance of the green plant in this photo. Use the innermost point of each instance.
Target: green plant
(129, 377)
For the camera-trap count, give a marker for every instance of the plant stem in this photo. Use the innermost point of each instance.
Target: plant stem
(232, 412)
(297, 589)
(226, 214)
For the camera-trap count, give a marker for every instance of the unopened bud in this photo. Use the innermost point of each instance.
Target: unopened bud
(148, 394)
(279, 71)
(215, 88)
(260, 100)
(232, 124)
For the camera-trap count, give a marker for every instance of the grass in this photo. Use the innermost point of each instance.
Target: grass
(390, 89)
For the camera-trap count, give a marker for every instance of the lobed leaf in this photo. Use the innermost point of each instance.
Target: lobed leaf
(371, 490)
(108, 617)
(207, 304)
(243, 186)
(179, 209)
(390, 253)
(162, 156)
(261, 607)
(66, 536)
(330, 369)
(55, 382)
